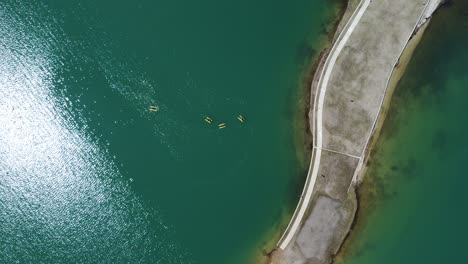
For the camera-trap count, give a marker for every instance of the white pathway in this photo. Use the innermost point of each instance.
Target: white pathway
(317, 151)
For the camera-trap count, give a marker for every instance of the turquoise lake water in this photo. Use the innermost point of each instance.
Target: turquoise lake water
(89, 175)
(414, 199)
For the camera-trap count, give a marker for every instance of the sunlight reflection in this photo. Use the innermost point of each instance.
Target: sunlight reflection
(60, 193)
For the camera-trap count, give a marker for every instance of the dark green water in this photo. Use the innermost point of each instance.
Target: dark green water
(89, 175)
(414, 199)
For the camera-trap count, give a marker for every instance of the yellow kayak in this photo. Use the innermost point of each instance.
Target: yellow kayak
(208, 120)
(154, 108)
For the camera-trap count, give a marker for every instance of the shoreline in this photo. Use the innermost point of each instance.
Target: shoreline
(400, 69)
(302, 133)
(325, 71)
(301, 127)
(393, 175)
(395, 75)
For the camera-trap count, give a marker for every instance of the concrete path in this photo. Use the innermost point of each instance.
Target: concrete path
(317, 151)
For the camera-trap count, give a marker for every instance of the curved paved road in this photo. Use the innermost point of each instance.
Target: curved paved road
(318, 114)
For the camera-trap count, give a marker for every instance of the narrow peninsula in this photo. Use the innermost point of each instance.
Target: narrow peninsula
(350, 89)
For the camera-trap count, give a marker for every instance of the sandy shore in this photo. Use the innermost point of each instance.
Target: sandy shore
(346, 115)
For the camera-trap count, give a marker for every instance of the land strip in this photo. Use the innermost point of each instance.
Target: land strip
(350, 91)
